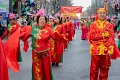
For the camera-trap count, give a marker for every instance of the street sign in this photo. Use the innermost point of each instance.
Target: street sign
(4, 10)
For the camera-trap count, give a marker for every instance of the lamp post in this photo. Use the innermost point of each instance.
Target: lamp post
(119, 9)
(52, 6)
(10, 6)
(48, 6)
(19, 8)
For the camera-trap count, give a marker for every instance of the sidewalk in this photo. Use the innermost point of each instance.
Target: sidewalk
(21, 42)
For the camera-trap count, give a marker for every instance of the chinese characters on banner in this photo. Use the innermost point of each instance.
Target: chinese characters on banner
(71, 9)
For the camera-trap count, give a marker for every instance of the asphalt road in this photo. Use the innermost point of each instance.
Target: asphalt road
(75, 66)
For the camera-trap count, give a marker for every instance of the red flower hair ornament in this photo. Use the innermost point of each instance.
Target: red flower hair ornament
(11, 16)
(41, 12)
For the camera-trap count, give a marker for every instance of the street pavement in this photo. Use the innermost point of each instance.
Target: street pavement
(75, 66)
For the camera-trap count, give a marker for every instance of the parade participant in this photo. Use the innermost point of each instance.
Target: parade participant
(57, 56)
(74, 26)
(41, 67)
(34, 22)
(112, 21)
(65, 29)
(118, 32)
(83, 29)
(88, 22)
(51, 21)
(101, 37)
(69, 25)
(1, 26)
(12, 27)
(74, 21)
(78, 24)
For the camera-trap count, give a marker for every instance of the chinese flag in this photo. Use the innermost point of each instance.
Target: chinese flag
(11, 48)
(3, 63)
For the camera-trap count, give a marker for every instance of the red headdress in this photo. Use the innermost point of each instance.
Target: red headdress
(100, 10)
(57, 15)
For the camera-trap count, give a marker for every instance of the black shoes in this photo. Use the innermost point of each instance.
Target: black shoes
(55, 64)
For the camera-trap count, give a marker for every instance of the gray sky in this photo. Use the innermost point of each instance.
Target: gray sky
(83, 3)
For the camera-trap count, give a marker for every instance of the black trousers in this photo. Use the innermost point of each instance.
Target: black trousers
(1, 31)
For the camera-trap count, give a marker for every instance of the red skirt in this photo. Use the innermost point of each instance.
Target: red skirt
(41, 66)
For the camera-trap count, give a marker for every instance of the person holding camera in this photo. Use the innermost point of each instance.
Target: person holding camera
(1, 26)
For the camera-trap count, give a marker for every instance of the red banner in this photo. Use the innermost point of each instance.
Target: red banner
(71, 9)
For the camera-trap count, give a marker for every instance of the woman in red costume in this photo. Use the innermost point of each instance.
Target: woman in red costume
(70, 27)
(34, 22)
(101, 36)
(83, 28)
(12, 27)
(65, 29)
(51, 21)
(56, 47)
(41, 67)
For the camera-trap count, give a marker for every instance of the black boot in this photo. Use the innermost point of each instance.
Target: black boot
(57, 64)
(53, 64)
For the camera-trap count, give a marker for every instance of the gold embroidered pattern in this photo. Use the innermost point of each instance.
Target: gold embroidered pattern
(53, 48)
(102, 48)
(9, 29)
(38, 36)
(91, 48)
(55, 29)
(39, 32)
(37, 71)
(42, 51)
(101, 25)
(37, 67)
(111, 50)
(36, 58)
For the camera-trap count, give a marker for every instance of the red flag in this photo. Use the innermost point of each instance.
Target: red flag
(25, 33)
(3, 63)
(11, 48)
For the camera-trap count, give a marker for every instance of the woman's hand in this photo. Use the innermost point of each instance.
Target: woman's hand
(118, 34)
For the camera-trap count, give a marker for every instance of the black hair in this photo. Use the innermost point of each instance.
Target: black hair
(60, 20)
(39, 17)
(12, 19)
(0, 14)
(33, 18)
(108, 20)
(67, 17)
